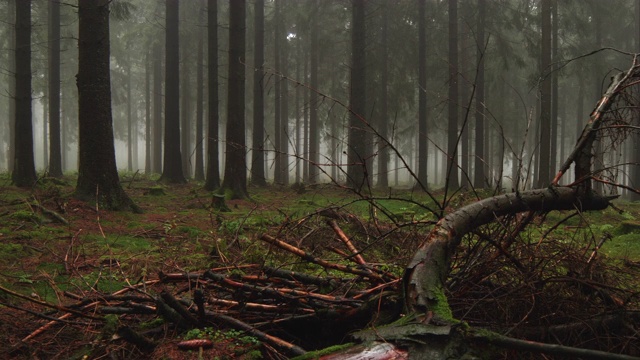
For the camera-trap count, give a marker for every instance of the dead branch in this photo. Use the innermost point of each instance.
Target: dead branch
(301, 253)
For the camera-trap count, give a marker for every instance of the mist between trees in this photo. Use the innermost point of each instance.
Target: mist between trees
(387, 93)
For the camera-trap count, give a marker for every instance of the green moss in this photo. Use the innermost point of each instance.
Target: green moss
(10, 251)
(24, 215)
(317, 354)
(440, 305)
(625, 246)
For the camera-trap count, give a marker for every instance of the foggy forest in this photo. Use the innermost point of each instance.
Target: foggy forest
(484, 100)
(335, 179)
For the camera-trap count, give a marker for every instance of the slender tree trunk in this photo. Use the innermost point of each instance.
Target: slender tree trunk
(423, 141)
(356, 155)
(305, 115)
(298, 111)
(185, 108)
(634, 167)
(157, 109)
(235, 170)
(213, 164)
(55, 158)
(11, 71)
(544, 163)
(383, 120)
(479, 176)
(97, 172)
(24, 172)
(172, 171)
(257, 164)
(314, 126)
(199, 142)
(45, 130)
(129, 118)
(465, 74)
(554, 88)
(285, 135)
(147, 113)
(452, 127)
(277, 134)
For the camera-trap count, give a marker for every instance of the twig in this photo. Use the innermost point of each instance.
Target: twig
(53, 306)
(304, 255)
(272, 340)
(537, 347)
(345, 239)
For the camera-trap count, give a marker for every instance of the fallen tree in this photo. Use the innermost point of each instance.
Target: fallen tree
(434, 333)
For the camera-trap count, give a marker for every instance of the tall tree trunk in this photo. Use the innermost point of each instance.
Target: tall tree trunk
(383, 119)
(305, 122)
(97, 172)
(544, 162)
(314, 125)
(466, 72)
(554, 88)
(213, 163)
(356, 155)
(479, 175)
(147, 113)
(185, 108)
(277, 134)
(452, 127)
(423, 140)
(172, 171)
(199, 143)
(24, 171)
(157, 109)
(257, 152)
(11, 71)
(45, 129)
(634, 180)
(55, 158)
(235, 170)
(285, 137)
(298, 111)
(130, 126)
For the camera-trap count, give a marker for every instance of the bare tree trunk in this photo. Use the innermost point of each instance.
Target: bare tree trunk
(172, 171)
(423, 142)
(235, 169)
(314, 126)
(199, 142)
(257, 148)
(157, 109)
(24, 171)
(356, 153)
(452, 127)
(55, 157)
(97, 172)
(213, 164)
(479, 175)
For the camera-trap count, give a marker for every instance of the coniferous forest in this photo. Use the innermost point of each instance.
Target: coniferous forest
(264, 179)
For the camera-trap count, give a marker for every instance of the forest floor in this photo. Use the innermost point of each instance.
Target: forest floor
(58, 251)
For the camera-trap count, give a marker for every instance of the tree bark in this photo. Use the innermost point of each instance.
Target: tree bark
(423, 141)
(452, 127)
(97, 172)
(172, 170)
(257, 151)
(356, 156)
(479, 176)
(24, 171)
(235, 170)
(55, 157)
(314, 126)
(199, 143)
(157, 109)
(213, 164)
